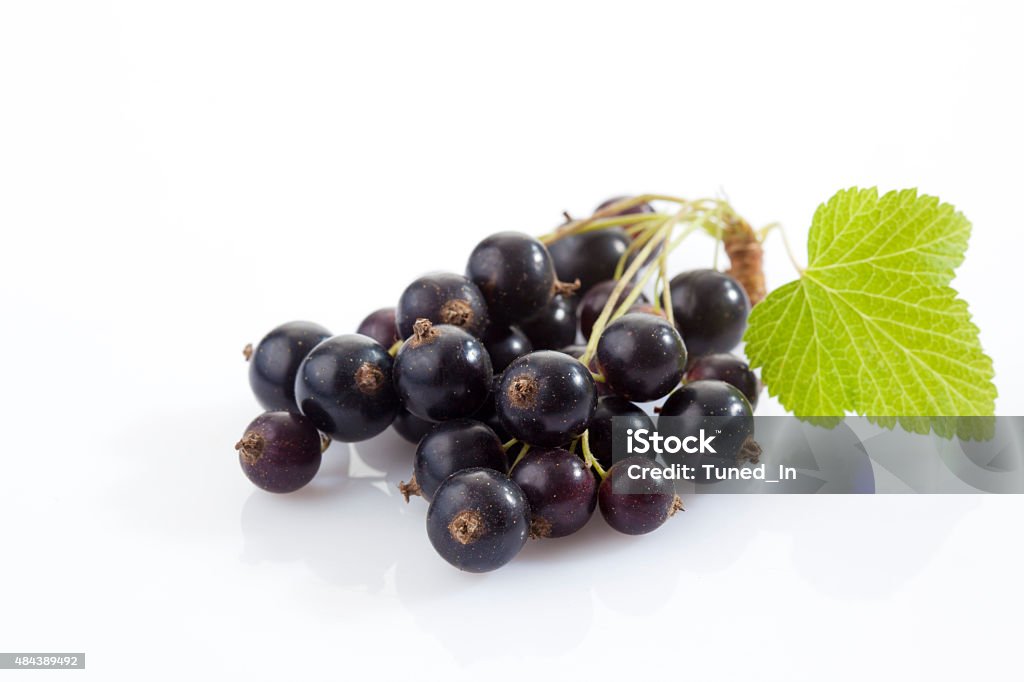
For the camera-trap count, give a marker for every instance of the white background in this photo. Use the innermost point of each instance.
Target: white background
(177, 178)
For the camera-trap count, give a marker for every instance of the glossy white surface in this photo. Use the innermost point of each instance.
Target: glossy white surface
(175, 180)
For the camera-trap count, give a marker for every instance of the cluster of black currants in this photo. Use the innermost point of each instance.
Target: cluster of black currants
(511, 417)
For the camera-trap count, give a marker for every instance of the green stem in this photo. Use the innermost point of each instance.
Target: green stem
(620, 287)
(637, 244)
(509, 444)
(610, 216)
(661, 286)
(615, 221)
(519, 457)
(589, 458)
(666, 290)
(592, 224)
(785, 242)
(632, 296)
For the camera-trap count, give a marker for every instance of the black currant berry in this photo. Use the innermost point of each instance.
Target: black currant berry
(639, 209)
(590, 257)
(489, 415)
(634, 502)
(505, 344)
(728, 368)
(280, 451)
(710, 309)
(648, 309)
(453, 446)
(602, 433)
(577, 352)
(380, 326)
(642, 357)
(721, 411)
(594, 302)
(546, 398)
(442, 372)
(561, 490)
(555, 325)
(275, 361)
(515, 274)
(442, 298)
(478, 520)
(495, 423)
(345, 387)
(410, 427)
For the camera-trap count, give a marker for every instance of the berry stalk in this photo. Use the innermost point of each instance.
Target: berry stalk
(588, 455)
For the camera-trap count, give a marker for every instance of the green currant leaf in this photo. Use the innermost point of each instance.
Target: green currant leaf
(872, 326)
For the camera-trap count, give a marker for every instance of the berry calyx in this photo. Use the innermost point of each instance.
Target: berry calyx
(546, 398)
(442, 298)
(280, 452)
(345, 387)
(442, 372)
(479, 520)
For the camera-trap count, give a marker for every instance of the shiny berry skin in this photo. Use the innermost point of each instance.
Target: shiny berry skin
(280, 451)
(561, 490)
(442, 372)
(345, 387)
(275, 361)
(639, 209)
(648, 308)
(489, 415)
(453, 446)
(410, 427)
(590, 257)
(555, 325)
(710, 309)
(515, 274)
(602, 436)
(636, 506)
(380, 326)
(494, 422)
(642, 357)
(577, 352)
(505, 344)
(546, 398)
(728, 368)
(594, 302)
(479, 520)
(719, 409)
(442, 298)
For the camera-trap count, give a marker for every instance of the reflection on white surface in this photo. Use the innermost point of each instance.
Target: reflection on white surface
(351, 529)
(175, 179)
